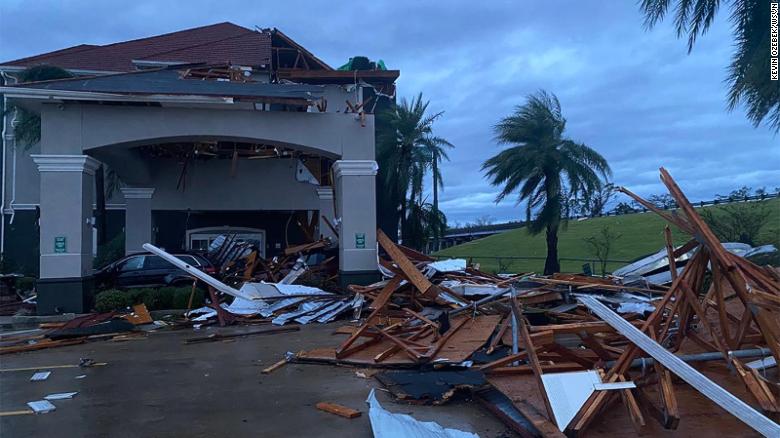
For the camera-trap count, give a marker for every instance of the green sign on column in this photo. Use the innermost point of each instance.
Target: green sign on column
(60, 244)
(360, 240)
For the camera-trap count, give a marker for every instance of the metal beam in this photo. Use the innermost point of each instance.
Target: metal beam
(195, 272)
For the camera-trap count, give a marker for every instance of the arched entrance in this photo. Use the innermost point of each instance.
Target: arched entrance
(77, 136)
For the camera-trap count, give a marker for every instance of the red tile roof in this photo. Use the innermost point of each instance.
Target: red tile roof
(216, 43)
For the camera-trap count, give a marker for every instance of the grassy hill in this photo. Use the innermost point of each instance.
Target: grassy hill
(640, 234)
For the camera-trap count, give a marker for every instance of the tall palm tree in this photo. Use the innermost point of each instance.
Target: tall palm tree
(406, 148)
(748, 75)
(541, 165)
(437, 151)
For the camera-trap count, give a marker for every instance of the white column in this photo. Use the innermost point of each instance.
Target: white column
(138, 217)
(356, 210)
(327, 211)
(67, 187)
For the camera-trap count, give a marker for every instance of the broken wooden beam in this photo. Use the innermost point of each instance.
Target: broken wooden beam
(411, 272)
(339, 410)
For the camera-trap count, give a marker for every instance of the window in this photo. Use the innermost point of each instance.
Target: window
(200, 244)
(200, 239)
(192, 261)
(157, 262)
(132, 264)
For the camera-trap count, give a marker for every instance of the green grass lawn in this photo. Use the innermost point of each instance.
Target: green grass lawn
(640, 234)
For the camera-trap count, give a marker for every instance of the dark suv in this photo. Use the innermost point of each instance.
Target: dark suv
(149, 270)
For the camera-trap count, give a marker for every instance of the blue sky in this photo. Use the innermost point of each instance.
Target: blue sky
(634, 95)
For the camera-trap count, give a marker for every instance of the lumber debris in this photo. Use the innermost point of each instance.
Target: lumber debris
(546, 344)
(341, 411)
(139, 315)
(214, 337)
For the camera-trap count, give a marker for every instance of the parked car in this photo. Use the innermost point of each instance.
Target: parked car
(149, 270)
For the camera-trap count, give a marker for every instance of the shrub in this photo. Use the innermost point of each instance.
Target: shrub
(181, 297)
(159, 299)
(137, 296)
(25, 283)
(738, 222)
(110, 251)
(601, 244)
(112, 299)
(163, 298)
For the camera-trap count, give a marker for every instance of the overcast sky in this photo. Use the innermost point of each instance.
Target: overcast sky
(634, 95)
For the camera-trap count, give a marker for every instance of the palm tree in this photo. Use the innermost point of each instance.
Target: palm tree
(406, 150)
(27, 127)
(436, 150)
(427, 221)
(542, 165)
(748, 75)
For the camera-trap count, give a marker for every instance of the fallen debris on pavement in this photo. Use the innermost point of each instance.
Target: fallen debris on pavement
(385, 424)
(341, 411)
(549, 355)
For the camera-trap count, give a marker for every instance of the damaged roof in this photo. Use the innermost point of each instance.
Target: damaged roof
(173, 81)
(216, 43)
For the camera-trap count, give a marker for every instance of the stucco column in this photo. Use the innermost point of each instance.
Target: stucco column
(138, 217)
(325, 195)
(67, 187)
(356, 212)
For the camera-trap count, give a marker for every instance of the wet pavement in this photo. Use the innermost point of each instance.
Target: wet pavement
(159, 387)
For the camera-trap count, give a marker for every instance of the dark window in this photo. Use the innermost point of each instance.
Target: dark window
(156, 262)
(132, 264)
(189, 260)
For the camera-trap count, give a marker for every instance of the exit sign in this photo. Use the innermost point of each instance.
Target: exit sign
(60, 244)
(360, 240)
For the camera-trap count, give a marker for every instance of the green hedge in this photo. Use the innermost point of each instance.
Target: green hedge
(25, 284)
(113, 299)
(163, 298)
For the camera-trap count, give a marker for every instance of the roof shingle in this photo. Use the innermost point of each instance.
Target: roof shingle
(216, 43)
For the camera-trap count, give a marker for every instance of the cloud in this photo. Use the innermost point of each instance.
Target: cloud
(635, 95)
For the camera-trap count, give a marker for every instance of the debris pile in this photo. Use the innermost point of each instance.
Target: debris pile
(549, 355)
(239, 261)
(119, 326)
(719, 308)
(256, 300)
(558, 350)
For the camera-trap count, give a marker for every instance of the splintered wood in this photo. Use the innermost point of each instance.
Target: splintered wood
(396, 334)
(472, 335)
(410, 272)
(720, 302)
(717, 304)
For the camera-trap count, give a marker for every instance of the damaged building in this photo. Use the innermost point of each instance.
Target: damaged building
(212, 130)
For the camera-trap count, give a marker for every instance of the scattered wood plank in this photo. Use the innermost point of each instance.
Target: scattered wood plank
(533, 360)
(274, 367)
(219, 336)
(413, 274)
(43, 344)
(339, 410)
(14, 413)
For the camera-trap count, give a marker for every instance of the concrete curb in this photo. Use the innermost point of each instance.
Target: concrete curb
(36, 319)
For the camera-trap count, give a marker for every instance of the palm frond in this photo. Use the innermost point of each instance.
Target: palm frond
(747, 75)
(542, 166)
